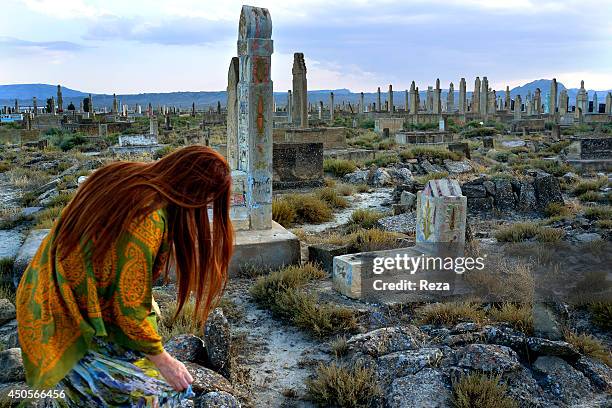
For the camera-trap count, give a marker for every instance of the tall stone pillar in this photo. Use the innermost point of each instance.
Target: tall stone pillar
(450, 98)
(437, 98)
(407, 101)
(609, 103)
(320, 110)
(508, 103)
(537, 101)
(517, 107)
(390, 104)
(300, 91)
(414, 104)
(289, 106)
(92, 111)
(595, 103)
(492, 99)
(553, 97)
(429, 100)
(563, 102)
(115, 108)
(484, 96)
(582, 99)
(60, 100)
(255, 95)
(331, 107)
(35, 105)
(361, 103)
(462, 96)
(476, 96)
(378, 104)
(232, 113)
(16, 106)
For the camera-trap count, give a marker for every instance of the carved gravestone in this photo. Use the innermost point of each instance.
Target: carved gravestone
(441, 213)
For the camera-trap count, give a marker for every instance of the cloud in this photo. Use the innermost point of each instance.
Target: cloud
(63, 9)
(170, 31)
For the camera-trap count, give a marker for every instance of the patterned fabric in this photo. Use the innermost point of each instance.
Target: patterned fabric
(62, 305)
(111, 376)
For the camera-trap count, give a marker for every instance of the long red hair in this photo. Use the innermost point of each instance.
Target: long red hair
(186, 182)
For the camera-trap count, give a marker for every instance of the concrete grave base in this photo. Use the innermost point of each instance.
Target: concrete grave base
(272, 248)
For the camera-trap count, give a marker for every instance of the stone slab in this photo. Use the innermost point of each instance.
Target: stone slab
(273, 249)
(27, 252)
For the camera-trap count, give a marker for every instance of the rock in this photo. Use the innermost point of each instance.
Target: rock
(457, 167)
(81, 180)
(478, 204)
(401, 175)
(527, 200)
(206, 380)
(570, 177)
(587, 237)
(473, 190)
(545, 347)
(408, 199)
(504, 196)
(428, 388)
(49, 186)
(505, 336)
(217, 399)
(562, 380)
(488, 358)
(387, 340)
(548, 190)
(12, 366)
(47, 197)
(596, 371)
(545, 323)
(186, 347)
(407, 362)
(489, 187)
(513, 143)
(8, 335)
(523, 388)
(431, 168)
(218, 341)
(357, 177)
(403, 223)
(465, 327)
(27, 252)
(378, 177)
(27, 211)
(7, 311)
(323, 254)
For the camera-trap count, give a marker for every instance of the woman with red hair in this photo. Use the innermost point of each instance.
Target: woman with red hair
(86, 320)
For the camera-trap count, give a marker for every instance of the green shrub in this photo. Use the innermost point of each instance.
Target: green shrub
(383, 161)
(479, 132)
(601, 314)
(367, 124)
(599, 213)
(429, 153)
(339, 167)
(71, 141)
(590, 185)
(556, 209)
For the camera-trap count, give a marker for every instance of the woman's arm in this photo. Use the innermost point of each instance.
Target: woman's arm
(172, 370)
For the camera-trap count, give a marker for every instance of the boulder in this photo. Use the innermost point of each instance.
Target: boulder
(27, 252)
(429, 388)
(206, 380)
(488, 358)
(480, 204)
(186, 347)
(378, 177)
(524, 389)
(548, 190)
(357, 177)
(387, 340)
(587, 237)
(562, 380)
(7, 311)
(504, 196)
(527, 200)
(401, 175)
(489, 187)
(402, 363)
(545, 347)
(217, 399)
(408, 199)
(431, 168)
(47, 197)
(12, 366)
(596, 371)
(457, 167)
(8, 334)
(218, 341)
(473, 190)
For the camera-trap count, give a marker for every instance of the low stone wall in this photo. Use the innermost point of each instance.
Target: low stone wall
(404, 138)
(297, 165)
(393, 124)
(331, 137)
(528, 124)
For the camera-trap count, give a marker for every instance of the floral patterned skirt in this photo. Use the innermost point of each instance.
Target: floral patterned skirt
(111, 376)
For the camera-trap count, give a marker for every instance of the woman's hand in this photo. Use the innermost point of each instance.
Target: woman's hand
(172, 370)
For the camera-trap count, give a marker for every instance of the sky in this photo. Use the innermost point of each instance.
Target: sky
(136, 46)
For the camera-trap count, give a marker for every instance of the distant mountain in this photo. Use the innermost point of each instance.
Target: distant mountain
(204, 99)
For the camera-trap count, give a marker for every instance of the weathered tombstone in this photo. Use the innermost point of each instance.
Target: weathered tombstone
(102, 130)
(390, 100)
(442, 124)
(300, 91)
(232, 113)
(476, 96)
(437, 98)
(450, 98)
(378, 100)
(331, 107)
(441, 213)
(487, 142)
(461, 148)
(153, 126)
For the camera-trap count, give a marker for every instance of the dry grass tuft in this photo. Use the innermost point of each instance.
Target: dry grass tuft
(345, 189)
(520, 232)
(339, 167)
(338, 386)
(365, 218)
(339, 346)
(589, 346)
(283, 212)
(479, 390)
(184, 323)
(503, 281)
(590, 185)
(332, 197)
(601, 314)
(431, 176)
(449, 313)
(520, 317)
